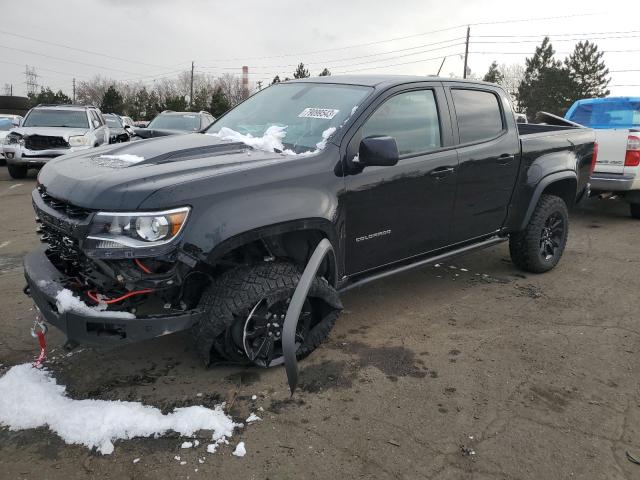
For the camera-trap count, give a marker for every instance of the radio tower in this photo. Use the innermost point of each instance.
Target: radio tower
(31, 80)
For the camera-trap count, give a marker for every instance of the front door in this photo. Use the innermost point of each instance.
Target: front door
(397, 212)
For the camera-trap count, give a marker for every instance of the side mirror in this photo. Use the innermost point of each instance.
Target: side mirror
(96, 124)
(378, 151)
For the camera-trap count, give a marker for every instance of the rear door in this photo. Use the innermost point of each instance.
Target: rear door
(489, 155)
(400, 211)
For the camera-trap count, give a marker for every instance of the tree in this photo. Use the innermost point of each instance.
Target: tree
(232, 88)
(91, 92)
(301, 72)
(588, 71)
(176, 103)
(546, 85)
(276, 79)
(47, 95)
(325, 73)
(112, 101)
(493, 75)
(512, 76)
(219, 103)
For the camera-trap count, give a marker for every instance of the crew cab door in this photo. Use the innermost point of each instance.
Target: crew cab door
(489, 155)
(400, 211)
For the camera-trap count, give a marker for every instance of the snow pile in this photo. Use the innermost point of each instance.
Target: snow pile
(253, 418)
(124, 158)
(272, 139)
(269, 142)
(240, 450)
(30, 398)
(66, 302)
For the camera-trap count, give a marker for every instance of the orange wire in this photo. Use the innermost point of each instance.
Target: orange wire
(95, 298)
(142, 266)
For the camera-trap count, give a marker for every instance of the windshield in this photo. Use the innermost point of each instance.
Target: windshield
(170, 121)
(304, 110)
(112, 121)
(607, 114)
(56, 118)
(5, 124)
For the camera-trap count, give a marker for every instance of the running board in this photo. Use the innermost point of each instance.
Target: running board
(438, 258)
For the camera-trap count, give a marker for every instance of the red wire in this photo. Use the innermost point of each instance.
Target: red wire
(95, 298)
(142, 266)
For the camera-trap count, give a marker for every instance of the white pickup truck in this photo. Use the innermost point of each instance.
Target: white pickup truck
(616, 121)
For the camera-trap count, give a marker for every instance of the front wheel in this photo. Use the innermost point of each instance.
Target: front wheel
(245, 310)
(635, 210)
(17, 171)
(539, 247)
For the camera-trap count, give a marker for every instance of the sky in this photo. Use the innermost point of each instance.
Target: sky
(143, 40)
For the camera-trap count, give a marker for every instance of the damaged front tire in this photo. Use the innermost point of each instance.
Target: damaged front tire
(245, 311)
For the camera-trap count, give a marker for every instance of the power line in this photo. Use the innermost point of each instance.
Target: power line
(397, 64)
(61, 45)
(41, 68)
(556, 34)
(556, 40)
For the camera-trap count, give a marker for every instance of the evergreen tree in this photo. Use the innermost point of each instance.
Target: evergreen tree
(301, 72)
(219, 103)
(46, 95)
(588, 71)
(177, 103)
(325, 73)
(494, 75)
(547, 85)
(276, 79)
(112, 101)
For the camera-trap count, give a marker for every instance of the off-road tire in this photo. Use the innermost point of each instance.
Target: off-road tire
(231, 297)
(524, 246)
(634, 209)
(17, 171)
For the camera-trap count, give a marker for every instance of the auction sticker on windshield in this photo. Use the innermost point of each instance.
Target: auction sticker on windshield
(324, 113)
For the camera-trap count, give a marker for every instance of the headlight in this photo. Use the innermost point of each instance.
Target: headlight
(13, 139)
(77, 141)
(113, 230)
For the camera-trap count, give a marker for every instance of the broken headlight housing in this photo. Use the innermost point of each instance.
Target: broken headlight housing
(13, 139)
(118, 230)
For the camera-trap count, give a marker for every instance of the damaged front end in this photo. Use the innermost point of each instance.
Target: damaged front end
(123, 267)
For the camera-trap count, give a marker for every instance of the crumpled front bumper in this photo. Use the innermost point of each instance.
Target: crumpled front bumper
(19, 155)
(44, 282)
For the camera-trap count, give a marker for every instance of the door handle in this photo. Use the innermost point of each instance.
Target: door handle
(505, 159)
(441, 171)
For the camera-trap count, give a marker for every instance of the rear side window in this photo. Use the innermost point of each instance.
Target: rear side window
(479, 115)
(411, 118)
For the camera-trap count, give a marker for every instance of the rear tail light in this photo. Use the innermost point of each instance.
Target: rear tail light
(632, 158)
(594, 157)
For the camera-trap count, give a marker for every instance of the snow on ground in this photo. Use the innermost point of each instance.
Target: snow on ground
(253, 418)
(67, 302)
(30, 398)
(240, 451)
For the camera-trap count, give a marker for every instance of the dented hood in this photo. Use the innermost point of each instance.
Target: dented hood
(120, 177)
(63, 132)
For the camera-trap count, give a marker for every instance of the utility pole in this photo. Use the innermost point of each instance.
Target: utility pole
(191, 94)
(31, 80)
(466, 52)
(74, 90)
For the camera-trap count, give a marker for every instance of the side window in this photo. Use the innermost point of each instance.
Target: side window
(479, 115)
(411, 118)
(94, 116)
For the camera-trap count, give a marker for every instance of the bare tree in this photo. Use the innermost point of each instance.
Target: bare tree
(232, 88)
(512, 76)
(91, 92)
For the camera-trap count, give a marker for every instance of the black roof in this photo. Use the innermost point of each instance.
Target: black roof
(381, 80)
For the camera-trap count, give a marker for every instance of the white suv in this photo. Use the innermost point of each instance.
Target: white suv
(49, 131)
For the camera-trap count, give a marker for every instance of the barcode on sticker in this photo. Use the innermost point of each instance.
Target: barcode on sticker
(325, 113)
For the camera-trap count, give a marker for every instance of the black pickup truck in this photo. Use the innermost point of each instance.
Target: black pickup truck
(211, 231)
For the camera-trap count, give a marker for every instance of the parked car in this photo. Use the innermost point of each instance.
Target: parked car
(49, 131)
(616, 121)
(118, 131)
(127, 121)
(210, 231)
(141, 123)
(173, 123)
(521, 118)
(7, 122)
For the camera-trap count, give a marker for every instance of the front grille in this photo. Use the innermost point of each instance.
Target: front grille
(42, 142)
(70, 210)
(61, 246)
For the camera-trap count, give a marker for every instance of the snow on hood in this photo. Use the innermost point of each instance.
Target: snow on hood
(31, 398)
(120, 160)
(271, 141)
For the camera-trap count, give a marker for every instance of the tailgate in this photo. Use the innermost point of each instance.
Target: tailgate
(612, 147)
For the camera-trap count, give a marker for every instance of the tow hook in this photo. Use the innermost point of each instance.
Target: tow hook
(289, 346)
(39, 330)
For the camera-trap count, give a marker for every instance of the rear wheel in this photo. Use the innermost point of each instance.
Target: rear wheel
(635, 210)
(245, 311)
(17, 171)
(539, 247)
